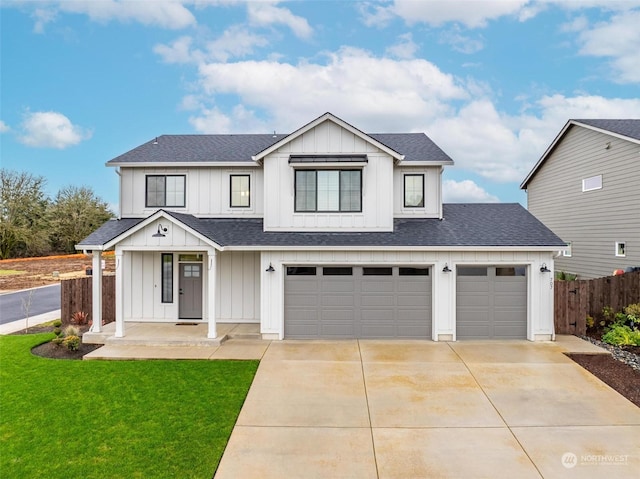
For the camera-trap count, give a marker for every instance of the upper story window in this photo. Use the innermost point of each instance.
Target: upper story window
(621, 249)
(568, 251)
(165, 190)
(592, 183)
(328, 190)
(414, 191)
(240, 191)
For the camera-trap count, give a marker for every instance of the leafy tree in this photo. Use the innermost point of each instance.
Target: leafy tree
(23, 215)
(75, 213)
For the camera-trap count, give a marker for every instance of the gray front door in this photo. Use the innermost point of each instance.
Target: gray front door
(190, 301)
(491, 302)
(357, 302)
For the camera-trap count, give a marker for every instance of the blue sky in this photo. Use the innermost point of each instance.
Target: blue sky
(491, 82)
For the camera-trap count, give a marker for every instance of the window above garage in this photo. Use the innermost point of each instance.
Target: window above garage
(328, 190)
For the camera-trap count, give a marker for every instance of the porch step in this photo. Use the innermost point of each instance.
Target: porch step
(182, 342)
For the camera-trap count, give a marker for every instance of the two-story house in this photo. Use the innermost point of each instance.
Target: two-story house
(327, 232)
(585, 187)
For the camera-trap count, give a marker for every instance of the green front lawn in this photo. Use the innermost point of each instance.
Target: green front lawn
(114, 419)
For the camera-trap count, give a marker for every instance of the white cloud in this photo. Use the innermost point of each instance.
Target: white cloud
(212, 120)
(171, 14)
(470, 14)
(465, 191)
(618, 39)
(4, 127)
(461, 43)
(267, 13)
(236, 42)
(474, 14)
(391, 93)
(405, 49)
(179, 51)
(50, 129)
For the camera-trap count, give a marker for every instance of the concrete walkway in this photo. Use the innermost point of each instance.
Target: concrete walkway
(418, 409)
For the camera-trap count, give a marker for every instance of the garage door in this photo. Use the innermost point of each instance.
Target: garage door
(491, 302)
(357, 302)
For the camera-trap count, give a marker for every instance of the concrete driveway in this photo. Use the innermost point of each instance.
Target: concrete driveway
(417, 409)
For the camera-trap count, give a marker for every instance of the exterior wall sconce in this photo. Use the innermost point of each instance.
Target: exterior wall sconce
(446, 268)
(270, 269)
(161, 232)
(544, 269)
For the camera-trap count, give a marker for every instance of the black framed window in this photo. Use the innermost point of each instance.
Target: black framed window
(167, 277)
(337, 271)
(165, 190)
(414, 191)
(240, 188)
(414, 271)
(377, 271)
(328, 190)
(301, 270)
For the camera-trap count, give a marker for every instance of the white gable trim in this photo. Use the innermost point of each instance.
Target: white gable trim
(334, 119)
(160, 214)
(560, 136)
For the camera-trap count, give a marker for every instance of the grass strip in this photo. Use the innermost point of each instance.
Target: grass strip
(116, 419)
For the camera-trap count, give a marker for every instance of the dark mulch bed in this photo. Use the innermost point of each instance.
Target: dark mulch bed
(620, 376)
(55, 351)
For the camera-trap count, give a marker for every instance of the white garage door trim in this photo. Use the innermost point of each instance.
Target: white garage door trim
(364, 302)
(491, 301)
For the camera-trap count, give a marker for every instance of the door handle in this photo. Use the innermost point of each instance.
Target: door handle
(181, 292)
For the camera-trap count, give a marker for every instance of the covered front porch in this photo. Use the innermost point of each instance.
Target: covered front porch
(172, 334)
(174, 285)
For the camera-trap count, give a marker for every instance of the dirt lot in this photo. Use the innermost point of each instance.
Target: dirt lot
(30, 272)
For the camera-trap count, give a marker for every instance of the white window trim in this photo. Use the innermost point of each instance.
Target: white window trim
(567, 253)
(624, 249)
(585, 180)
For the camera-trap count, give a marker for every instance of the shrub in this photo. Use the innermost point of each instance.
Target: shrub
(590, 322)
(57, 332)
(71, 331)
(57, 323)
(71, 342)
(622, 336)
(57, 341)
(79, 318)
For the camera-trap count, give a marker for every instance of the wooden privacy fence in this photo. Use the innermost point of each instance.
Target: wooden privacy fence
(75, 295)
(575, 300)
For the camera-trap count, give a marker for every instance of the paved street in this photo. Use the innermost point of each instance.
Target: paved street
(43, 300)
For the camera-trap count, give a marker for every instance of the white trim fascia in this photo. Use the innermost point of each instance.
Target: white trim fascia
(558, 138)
(185, 164)
(606, 132)
(151, 219)
(424, 163)
(321, 119)
(89, 247)
(523, 249)
(333, 164)
(166, 249)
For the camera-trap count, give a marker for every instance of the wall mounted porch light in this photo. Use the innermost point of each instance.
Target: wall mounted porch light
(270, 269)
(544, 269)
(161, 232)
(446, 268)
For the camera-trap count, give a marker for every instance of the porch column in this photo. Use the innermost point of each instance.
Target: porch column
(96, 292)
(211, 292)
(119, 294)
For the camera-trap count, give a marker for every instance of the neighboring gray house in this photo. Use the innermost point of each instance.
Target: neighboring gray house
(327, 232)
(586, 189)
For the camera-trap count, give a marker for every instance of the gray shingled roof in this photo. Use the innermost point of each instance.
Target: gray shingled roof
(205, 148)
(497, 224)
(629, 128)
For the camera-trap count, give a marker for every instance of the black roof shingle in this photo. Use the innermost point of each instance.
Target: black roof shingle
(232, 148)
(474, 224)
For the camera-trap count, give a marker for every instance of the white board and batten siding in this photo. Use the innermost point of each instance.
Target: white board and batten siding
(237, 287)
(328, 138)
(432, 192)
(593, 221)
(207, 191)
(539, 287)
